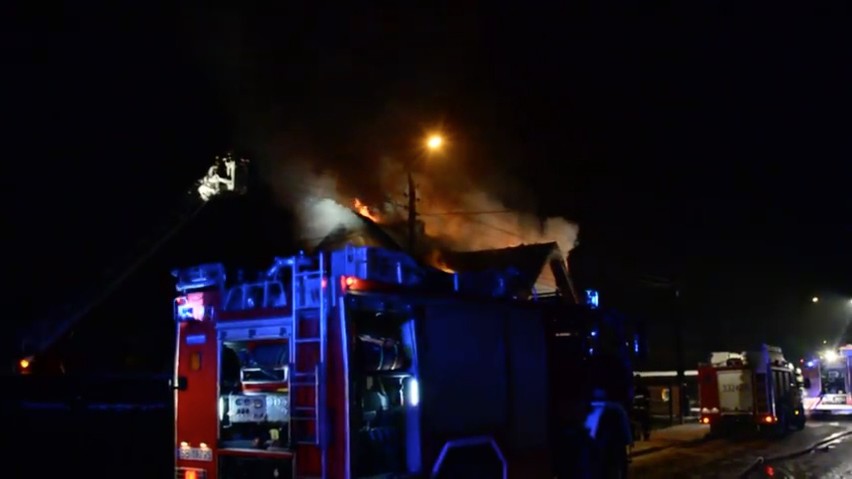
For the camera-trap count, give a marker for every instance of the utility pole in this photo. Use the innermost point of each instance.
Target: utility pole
(412, 214)
(434, 143)
(673, 310)
(679, 360)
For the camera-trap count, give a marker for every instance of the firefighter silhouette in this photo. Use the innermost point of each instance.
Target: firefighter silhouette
(641, 410)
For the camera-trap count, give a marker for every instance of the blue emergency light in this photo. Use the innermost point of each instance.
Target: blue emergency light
(592, 298)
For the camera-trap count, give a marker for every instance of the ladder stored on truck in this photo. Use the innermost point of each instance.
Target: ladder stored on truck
(308, 360)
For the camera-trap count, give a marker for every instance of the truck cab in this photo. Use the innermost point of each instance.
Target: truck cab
(829, 388)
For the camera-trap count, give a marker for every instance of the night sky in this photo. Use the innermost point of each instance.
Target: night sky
(715, 152)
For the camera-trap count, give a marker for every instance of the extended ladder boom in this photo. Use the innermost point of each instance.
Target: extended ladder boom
(226, 175)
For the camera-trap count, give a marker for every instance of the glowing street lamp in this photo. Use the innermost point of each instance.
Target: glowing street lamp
(434, 142)
(815, 299)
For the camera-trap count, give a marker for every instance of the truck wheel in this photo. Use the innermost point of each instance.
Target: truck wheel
(719, 429)
(782, 427)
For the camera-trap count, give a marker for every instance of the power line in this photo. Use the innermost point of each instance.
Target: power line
(468, 213)
(497, 228)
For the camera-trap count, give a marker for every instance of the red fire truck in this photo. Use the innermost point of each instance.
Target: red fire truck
(757, 388)
(829, 382)
(363, 363)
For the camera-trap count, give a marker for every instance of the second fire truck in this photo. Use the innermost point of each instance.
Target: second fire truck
(829, 377)
(756, 388)
(364, 363)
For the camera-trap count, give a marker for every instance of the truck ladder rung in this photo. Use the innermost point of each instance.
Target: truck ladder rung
(307, 340)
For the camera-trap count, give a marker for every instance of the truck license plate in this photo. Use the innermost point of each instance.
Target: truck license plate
(834, 399)
(195, 454)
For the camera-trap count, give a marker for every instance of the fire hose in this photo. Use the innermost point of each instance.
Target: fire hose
(801, 452)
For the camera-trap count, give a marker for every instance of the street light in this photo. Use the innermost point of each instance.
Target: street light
(815, 300)
(434, 143)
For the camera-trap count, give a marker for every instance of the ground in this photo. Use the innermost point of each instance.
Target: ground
(685, 451)
(832, 461)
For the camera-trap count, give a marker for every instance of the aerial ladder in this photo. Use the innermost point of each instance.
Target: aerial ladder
(226, 176)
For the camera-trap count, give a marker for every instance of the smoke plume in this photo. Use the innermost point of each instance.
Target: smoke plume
(454, 210)
(466, 217)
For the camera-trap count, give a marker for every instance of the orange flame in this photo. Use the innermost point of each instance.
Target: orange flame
(437, 261)
(364, 210)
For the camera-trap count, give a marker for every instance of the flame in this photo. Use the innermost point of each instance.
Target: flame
(437, 261)
(364, 210)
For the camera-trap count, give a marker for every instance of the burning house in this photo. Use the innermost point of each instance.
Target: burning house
(534, 269)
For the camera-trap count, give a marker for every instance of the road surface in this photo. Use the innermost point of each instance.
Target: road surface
(833, 461)
(731, 457)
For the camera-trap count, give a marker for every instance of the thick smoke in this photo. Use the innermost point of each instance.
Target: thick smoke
(313, 195)
(466, 217)
(454, 211)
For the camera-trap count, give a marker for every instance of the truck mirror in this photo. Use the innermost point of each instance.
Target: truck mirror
(807, 383)
(180, 385)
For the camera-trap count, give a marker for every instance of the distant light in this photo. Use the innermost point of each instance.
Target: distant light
(815, 300)
(810, 364)
(830, 356)
(434, 142)
(25, 363)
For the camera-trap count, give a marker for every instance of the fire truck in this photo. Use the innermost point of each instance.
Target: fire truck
(756, 388)
(829, 382)
(364, 363)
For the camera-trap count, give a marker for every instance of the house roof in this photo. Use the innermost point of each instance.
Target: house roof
(526, 265)
(526, 262)
(360, 231)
